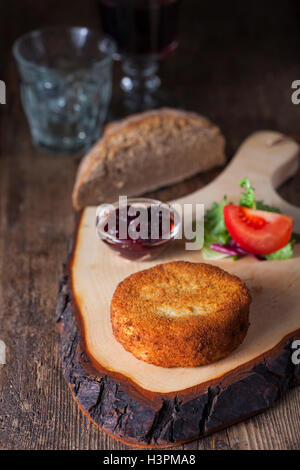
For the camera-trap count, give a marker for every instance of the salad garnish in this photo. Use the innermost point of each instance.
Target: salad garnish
(250, 228)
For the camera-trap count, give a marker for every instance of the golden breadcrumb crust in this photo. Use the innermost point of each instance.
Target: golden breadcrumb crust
(180, 314)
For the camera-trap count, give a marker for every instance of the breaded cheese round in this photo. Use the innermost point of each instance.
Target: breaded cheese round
(180, 314)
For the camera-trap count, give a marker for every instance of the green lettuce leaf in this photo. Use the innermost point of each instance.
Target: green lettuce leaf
(284, 253)
(215, 230)
(247, 197)
(264, 207)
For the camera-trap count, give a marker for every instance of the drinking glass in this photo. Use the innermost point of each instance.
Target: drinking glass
(65, 85)
(145, 31)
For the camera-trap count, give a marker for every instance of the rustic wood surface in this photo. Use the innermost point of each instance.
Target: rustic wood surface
(235, 64)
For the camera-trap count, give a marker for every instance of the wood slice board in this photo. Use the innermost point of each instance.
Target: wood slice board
(145, 405)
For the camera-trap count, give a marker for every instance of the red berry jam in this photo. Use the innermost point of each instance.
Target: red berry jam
(137, 233)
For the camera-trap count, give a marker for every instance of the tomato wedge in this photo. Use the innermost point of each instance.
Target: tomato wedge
(259, 232)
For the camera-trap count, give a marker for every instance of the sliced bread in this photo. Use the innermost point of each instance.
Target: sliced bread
(147, 151)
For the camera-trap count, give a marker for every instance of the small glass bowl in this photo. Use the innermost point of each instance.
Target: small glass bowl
(140, 249)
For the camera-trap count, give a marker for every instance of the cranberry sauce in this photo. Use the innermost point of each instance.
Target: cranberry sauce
(126, 236)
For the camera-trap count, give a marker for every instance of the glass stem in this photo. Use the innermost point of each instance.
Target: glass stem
(140, 76)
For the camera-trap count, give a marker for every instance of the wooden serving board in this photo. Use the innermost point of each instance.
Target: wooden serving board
(145, 405)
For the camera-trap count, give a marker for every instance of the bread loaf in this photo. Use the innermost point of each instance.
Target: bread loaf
(146, 151)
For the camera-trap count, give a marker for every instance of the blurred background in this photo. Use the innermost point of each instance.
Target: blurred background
(234, 63)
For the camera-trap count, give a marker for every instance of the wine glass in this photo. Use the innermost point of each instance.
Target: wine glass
(145, 32)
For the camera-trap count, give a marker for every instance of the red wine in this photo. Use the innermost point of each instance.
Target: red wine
(141, 27)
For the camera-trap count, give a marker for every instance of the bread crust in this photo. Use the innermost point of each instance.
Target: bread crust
(146, 151)
(180, 314)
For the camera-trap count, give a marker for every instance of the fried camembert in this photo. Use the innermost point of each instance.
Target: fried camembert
(180, 314)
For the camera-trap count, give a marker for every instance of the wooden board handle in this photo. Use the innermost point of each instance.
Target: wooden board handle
(268, 159)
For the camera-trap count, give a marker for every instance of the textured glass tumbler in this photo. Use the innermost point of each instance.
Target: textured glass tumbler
(65, 85)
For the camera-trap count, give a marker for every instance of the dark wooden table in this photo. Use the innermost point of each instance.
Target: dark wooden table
(235, 64)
